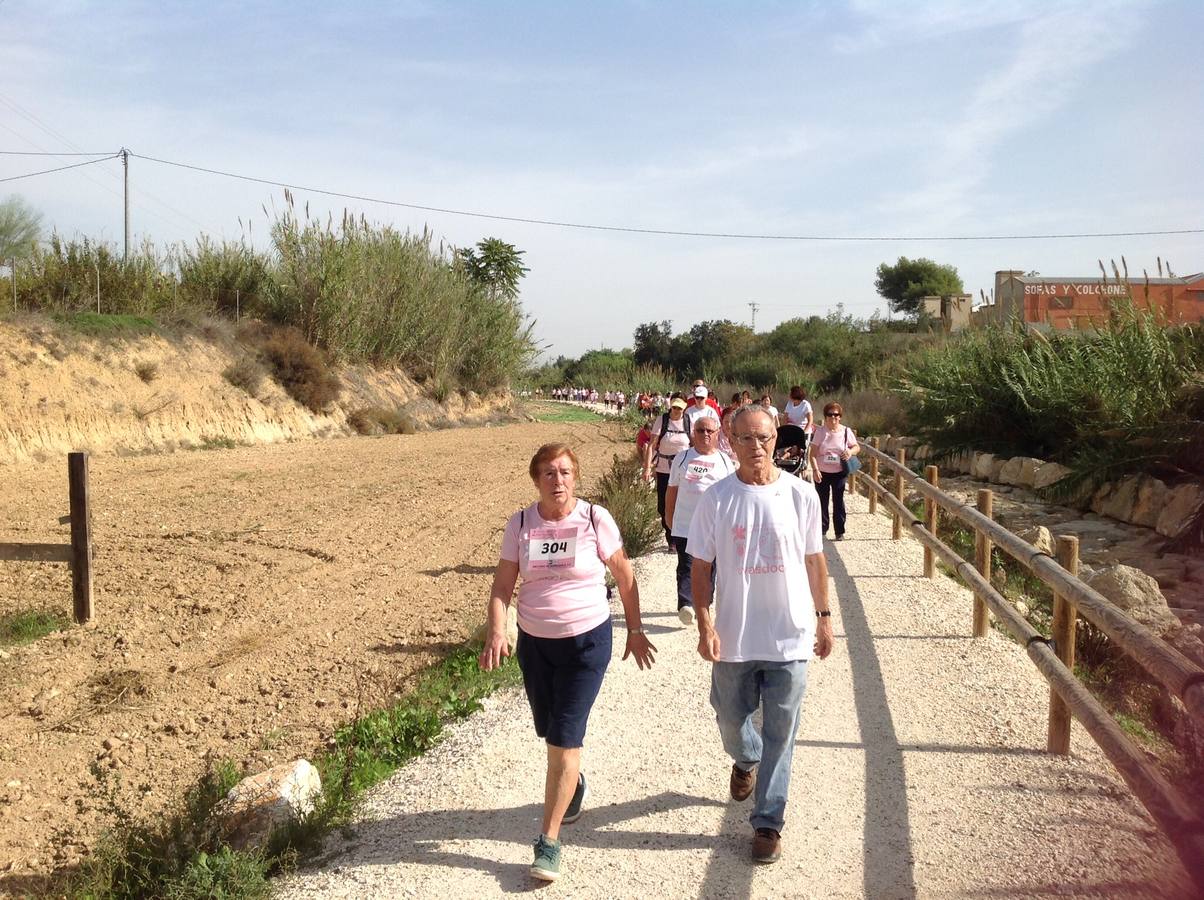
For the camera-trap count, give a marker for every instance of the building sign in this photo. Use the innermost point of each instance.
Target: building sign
(1077, 290)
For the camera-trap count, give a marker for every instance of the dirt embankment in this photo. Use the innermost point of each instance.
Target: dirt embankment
(61, 390)
(247, 600)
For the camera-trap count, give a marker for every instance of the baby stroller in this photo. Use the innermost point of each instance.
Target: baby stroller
(790, 453)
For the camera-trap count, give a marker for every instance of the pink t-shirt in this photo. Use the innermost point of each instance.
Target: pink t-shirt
(562, 564)
(828, 445)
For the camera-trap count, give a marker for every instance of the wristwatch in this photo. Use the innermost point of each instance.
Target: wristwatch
(823, 613)
(635, 630)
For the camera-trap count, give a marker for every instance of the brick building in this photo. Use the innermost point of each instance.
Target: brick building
(1064, 303)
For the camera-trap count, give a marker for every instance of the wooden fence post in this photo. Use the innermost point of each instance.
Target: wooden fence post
(1065, 614)
(931, 512)
(982, 548)
(81, 536)
(896, 528)
(873, 494)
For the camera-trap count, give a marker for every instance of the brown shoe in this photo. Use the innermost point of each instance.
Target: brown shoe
(767, 846)
(742, 782)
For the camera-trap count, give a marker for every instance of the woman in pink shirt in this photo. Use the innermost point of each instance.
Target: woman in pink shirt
(562, 547)
(832, 445)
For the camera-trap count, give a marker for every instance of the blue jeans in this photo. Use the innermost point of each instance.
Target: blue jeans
(737, 689)
(685, 589)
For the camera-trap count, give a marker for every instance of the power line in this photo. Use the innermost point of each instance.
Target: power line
(47, 153)
(664, 231)
(59, 169)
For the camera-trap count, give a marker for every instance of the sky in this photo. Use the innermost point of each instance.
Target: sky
(914, 121)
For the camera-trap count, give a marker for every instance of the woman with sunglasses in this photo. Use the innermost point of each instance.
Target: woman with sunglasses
(831, 448)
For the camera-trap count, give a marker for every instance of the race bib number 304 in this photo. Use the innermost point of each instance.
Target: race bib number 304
(552, 548)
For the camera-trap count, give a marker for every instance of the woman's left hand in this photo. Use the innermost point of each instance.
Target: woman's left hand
(642, 648)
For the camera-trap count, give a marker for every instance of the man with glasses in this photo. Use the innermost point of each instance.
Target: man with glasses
(761, 530)
(691, 473)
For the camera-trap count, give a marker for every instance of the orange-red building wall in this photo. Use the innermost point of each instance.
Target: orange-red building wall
(1078, 304)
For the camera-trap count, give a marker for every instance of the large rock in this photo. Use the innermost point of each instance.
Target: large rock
(1136, 593)
(1048, 473)
(1013, 470)
(260, 803)
(1182, 503)
(980, 466)
(1115, 499)
(1151, 498)
(511, 628)
(996, 467)
(1039, 536)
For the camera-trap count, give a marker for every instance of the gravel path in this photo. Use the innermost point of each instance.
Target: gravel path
(919, 771)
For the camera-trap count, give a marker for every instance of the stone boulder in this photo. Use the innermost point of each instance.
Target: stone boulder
(1151, 499)
(981, 464)
(260, 803)
(996, 467)
(511, 628)
(1039, 536)
(1181, 505)
(1048, 473)
(1136, 593)
(1009, 473)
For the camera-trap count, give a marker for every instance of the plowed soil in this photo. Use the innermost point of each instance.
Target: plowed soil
(247, 602)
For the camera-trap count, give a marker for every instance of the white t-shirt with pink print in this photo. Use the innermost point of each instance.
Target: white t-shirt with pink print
(758, 537)
(562, 566)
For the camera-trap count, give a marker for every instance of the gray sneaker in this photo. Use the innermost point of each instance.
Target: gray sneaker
(573, 813)
(547, 859)
(685, 615)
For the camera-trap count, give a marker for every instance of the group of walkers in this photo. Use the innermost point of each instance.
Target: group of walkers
(751, 576)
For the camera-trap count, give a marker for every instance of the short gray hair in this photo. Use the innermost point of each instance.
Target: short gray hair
(745, 411)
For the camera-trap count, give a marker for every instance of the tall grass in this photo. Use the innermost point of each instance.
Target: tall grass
(1105, 403)
(361, 292)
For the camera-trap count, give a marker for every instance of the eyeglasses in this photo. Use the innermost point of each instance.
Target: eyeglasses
(832, 415)
(749, 439)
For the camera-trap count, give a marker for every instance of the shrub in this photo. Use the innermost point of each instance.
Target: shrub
(301, 369)
(376, 420)
(146, 370)
(623, 493)
(245, 373)
(1106, 403)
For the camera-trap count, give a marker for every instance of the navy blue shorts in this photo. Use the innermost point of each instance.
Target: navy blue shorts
(562, 677)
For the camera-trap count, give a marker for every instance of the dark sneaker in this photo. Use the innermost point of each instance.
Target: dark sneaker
(742, 782)
(547, 859)
(573, 813)
(839, 537)
(767, 846)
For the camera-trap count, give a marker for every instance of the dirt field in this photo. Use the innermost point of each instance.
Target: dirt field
(245, 598)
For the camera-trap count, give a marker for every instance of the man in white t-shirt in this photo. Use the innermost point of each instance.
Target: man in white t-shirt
(700, 409)
(761, 530)
(692, 473)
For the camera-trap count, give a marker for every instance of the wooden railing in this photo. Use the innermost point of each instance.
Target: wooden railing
(1054, 655)
(78, 553)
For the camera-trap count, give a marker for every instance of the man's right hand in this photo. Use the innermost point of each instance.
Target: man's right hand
(708, 645)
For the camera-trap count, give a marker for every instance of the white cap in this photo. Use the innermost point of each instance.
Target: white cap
(700, 392)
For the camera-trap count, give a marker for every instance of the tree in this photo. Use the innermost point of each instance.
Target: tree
(20, 228)
(653, 344)
(496, 265)
(904, 283)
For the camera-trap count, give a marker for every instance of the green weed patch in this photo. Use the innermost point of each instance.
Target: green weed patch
(558, 413)
(26, 626)
(106, 324)
(184, 855)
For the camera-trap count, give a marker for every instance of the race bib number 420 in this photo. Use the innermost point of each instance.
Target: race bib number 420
(552, 548)
(698, 469)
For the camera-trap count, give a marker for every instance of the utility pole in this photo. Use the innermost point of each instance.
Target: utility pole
(754, 307)
(125, 165)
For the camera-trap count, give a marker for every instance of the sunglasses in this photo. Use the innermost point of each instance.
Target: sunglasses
(832, 415)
